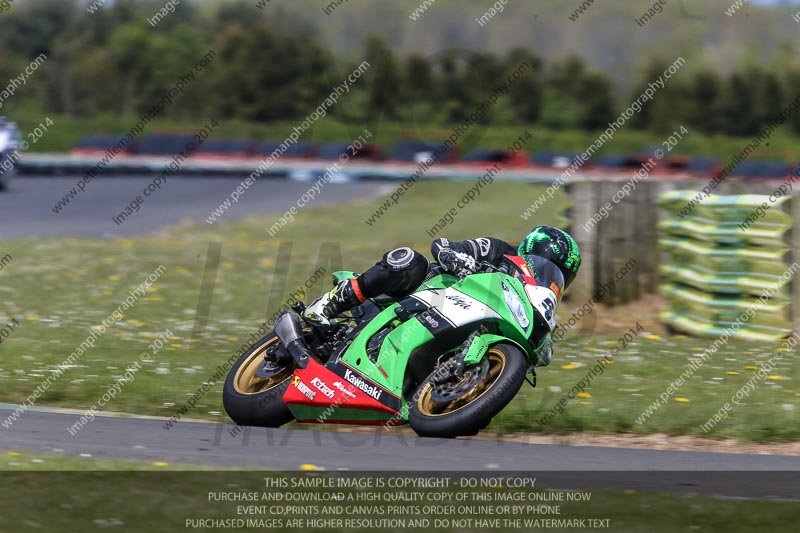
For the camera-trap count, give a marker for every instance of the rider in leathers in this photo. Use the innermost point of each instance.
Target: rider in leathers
(550, 254)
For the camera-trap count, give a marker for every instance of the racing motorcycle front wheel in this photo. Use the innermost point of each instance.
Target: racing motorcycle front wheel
(464, 405)
(253, 391)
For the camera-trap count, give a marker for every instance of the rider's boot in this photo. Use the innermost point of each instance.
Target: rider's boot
(344, 296)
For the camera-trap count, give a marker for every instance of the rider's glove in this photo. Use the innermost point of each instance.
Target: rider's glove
(460, 264)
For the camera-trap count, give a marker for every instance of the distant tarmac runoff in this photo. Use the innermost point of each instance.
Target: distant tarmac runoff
(25, 207)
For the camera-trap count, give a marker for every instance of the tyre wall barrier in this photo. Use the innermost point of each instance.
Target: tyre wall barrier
(720, 258)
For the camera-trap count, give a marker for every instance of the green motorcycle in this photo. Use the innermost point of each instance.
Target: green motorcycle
(445, 359)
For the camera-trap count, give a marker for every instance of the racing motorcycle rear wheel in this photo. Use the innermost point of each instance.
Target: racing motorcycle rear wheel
(465, 405)
(254, 388)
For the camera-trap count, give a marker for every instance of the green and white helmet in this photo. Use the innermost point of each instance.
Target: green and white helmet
(554, 245)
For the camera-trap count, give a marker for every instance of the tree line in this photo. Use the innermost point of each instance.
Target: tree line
(273, 68)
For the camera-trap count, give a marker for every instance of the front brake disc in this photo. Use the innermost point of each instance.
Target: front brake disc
(454, 389)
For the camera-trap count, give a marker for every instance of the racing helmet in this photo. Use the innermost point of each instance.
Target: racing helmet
(554, 245)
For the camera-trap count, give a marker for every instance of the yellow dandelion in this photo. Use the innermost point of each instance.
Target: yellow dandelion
(308, 466)
(783, 349)
(682, 400)
(176, 345)
(114, 278)
(774, 377)
(173, 338)
(97, 328)
(106, 293)
(155, 299)
(678, 337)
(231, 339)
(583, 395)
(228, 264)
(653, 337)
(181, 269)
(732, 373)
(751, 367)
(153, 289)
(160, 463)
(585, 403)
(747, 352)
(13, 454)
(31, 318)
(266, 263)
(570, 366)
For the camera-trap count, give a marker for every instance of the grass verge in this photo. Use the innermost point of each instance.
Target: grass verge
(59, 289)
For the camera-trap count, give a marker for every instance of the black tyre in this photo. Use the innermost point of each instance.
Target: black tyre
(253, 392)
(465, 407)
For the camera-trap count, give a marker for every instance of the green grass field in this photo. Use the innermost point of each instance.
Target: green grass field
(26, 462)
(59, 289)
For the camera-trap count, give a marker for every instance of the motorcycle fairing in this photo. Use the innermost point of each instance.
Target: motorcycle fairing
(317, 394)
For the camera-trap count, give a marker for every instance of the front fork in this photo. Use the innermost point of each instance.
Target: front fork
(476, 346)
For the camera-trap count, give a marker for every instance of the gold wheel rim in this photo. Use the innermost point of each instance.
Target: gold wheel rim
(427, 406)
(247, 381)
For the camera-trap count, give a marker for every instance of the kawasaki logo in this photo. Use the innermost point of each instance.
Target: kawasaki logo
(459, 301)
(322, 387)
(302, 387)
(359, 383)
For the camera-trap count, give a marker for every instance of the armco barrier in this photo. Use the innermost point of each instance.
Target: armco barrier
(716, 267)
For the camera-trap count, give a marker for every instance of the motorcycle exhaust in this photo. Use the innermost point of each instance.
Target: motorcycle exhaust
(290, 332)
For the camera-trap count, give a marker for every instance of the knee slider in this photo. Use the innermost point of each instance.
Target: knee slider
(409, 266)
(400, 258)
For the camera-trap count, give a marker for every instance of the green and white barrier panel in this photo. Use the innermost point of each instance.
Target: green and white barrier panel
(717, 268)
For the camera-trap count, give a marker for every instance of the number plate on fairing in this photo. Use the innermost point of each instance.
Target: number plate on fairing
(543, 300)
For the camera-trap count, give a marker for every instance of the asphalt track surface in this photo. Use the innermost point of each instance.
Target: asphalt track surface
(215, 444)
(26, 208)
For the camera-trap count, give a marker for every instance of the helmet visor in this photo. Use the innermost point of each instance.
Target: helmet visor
(546, 272)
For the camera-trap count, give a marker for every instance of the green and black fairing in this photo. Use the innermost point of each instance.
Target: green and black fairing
(395, 345)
